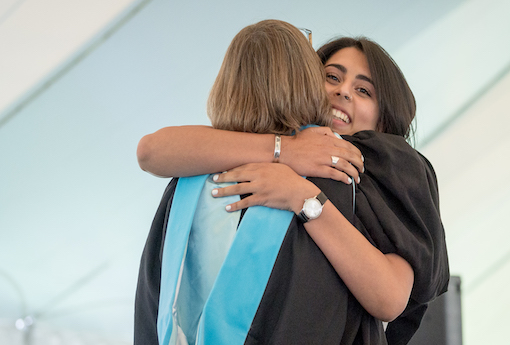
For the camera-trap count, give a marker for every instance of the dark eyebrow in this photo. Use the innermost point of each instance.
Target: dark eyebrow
(339, 67)
(342, 69)
(365, 78)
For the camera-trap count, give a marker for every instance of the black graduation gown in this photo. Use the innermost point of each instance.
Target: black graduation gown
(305, 301)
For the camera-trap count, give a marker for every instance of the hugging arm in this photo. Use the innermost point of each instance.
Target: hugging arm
(382, 283)
(397, 211)
(194, 150)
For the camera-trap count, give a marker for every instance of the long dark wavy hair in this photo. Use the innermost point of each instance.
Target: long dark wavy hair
(397, 106)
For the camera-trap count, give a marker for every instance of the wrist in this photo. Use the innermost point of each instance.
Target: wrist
(312, 207)
(277, 148)
(306, 191)
(285, 149)
(263, 148)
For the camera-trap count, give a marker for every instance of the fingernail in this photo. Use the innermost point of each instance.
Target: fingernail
(228, 207)
(215, 178)
(349, 180)
(363, 158)
(359, 179)
(363, 169)
(214, 192)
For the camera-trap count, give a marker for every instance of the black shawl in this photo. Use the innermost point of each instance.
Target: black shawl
(305, 301)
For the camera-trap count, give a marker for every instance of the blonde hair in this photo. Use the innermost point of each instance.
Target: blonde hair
(271, 81)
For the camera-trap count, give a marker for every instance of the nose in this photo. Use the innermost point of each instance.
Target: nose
(342, 91)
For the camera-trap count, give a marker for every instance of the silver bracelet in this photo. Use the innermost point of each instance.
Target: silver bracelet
(277, 147)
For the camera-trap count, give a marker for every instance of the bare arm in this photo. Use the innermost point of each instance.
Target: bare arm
(382, 283)
(195, 150)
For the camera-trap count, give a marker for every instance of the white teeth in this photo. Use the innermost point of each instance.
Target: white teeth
(340, 115)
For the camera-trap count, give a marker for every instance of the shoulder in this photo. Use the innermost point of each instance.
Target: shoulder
(391, 161)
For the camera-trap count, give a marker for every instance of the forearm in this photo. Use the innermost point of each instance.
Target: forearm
(194, 150)
(381, 283)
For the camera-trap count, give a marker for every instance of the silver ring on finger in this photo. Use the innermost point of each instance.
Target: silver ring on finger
(334, 160)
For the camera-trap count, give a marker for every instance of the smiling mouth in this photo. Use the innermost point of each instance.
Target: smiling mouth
(340, 115)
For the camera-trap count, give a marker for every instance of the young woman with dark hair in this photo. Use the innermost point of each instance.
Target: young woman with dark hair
(340, 271)
(397, 106)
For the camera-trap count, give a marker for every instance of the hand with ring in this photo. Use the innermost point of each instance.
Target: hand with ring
(317, 152)
(334, 160)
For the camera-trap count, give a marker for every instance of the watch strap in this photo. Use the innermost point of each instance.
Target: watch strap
(302, 217)
(322, 198)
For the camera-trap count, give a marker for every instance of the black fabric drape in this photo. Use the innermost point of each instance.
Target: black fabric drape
(306, 302)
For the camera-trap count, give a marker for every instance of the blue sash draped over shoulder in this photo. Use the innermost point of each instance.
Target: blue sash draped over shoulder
(214, 273)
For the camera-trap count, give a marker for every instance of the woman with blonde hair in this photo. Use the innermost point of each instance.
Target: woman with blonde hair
(271, 81)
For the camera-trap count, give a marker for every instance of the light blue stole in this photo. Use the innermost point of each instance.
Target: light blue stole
(213, 276)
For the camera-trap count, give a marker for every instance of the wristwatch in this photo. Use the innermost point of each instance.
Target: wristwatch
(312, 208)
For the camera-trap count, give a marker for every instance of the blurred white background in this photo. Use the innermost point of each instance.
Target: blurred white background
(82, 81)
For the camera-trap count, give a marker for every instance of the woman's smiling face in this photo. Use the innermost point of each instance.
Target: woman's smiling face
(351, 92)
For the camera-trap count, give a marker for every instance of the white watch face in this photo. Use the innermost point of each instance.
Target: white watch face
(312, 208)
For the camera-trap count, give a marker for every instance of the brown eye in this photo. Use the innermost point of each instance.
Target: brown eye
(332, 78)
(365, 91)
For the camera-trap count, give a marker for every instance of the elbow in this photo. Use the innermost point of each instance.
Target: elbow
(393, 299)
(143, 153)
(390, 310)
(390, 305)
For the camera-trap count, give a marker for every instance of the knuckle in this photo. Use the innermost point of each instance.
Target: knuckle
(235, 188)
(230, 176)
(240, 204)
(343, 165)
(332, 174)
(338, 176)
